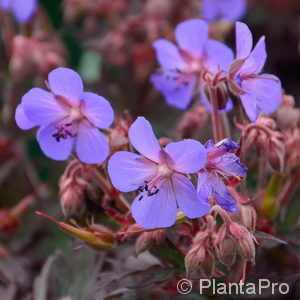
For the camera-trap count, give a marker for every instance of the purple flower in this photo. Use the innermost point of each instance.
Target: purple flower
(231, 10)
(183, 66)
(23, 10)
(257, 92)
(160, 177)
(68, 117)
(220, 166)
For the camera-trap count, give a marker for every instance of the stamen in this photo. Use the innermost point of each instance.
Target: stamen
(63, 132)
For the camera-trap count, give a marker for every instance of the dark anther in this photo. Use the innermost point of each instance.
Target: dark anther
(141, 198)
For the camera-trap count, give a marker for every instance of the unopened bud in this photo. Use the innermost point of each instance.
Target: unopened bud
(249, 217)
(147, 239)
(194, 258)
(208, 266)
(226, 252)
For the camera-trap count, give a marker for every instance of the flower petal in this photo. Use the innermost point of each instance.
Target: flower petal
(222, 195)
(178, 93)
(5, 4)
(128, 171)
(66, 83)
(97, 110)
(244, 41)
(250, 105)
(41, 107)
(156, 211)
(204, 187)
(256, 60)
(232, 164)
(187, 156)
(56, 150)
(22, 120)
(267, 89)
(210, 10)
(23, 10)
(191, 36)
(232, 10)
(168, 55)
(187, 199)
(91, 144)
(217, 56)
(143, 139)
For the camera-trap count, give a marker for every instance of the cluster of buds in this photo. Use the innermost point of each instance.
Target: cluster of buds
(269, 142)
(36, 54)
(72, 189)
(228, 244)
(118, 136)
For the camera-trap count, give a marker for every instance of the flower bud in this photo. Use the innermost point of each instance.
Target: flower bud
(226, 252)
(208, 266)
(194, 258)
(147, 239)
(249, 217)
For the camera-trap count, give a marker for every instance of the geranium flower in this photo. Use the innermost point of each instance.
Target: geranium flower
(68, 117)
(22, 10)
(231, 10)
(159, 174)
(257, 92)
(182, 66)
(220, 166)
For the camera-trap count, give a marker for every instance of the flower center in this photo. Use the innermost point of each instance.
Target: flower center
(150, 187)
(68, 126)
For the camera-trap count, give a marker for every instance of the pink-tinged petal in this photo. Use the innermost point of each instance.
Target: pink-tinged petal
(156, 211)
(187, 199)
(97, 110)
(228, 105)
(168, 55)
(143, 139)
(250, 105)
(23, 10)
(187, 156)
(66, 83)
(204, 187)
(22, 120)
(244, 40)
(177, 92)
(232, 10)
(217, 56)
(42, 108)
(191, 36)
(91, 144)
(267, 89)
(56, 150)
(128, 171)
(256, 60)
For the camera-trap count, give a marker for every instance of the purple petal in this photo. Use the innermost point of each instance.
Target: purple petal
(250, 105)
(232, 10)
(256, 60)
(143, 139)
(267, 91)
(91, 144)
(167, 55)
(66, 83)
(128, 171)
(191, 36)
(178, 93)
(156, 211)
(187, 156)
(23, 10)
(187, 199)
(204, 187)
(5, 4)
(41, 107)
(222, 195)
(56, 150)
(97, 110)
(230, 163)
(210, 10)
(217, 56)
(244, 41)
(22, 120)
(229, 144)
